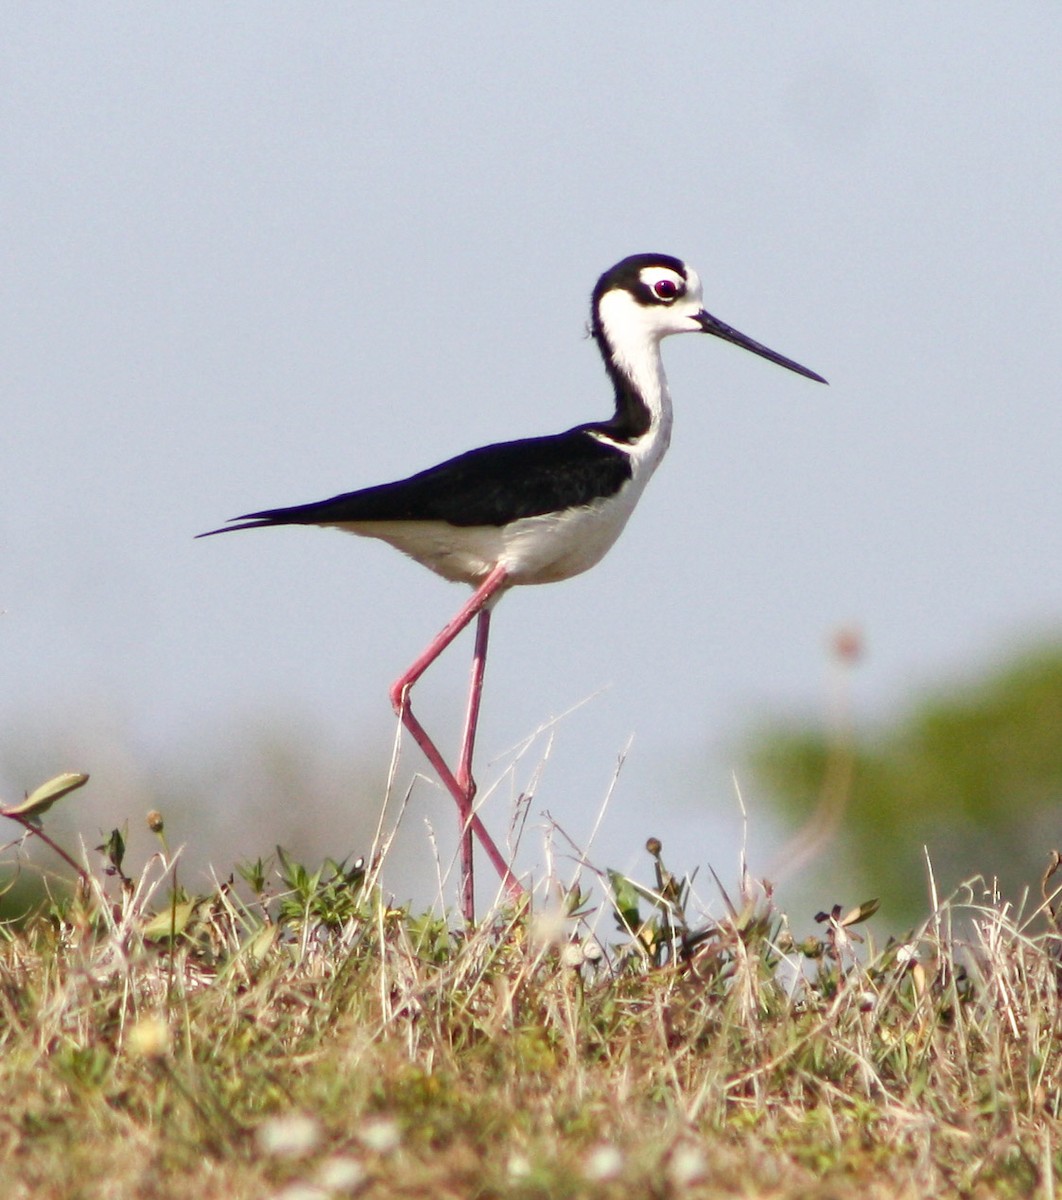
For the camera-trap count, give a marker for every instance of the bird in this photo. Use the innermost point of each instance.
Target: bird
(532, 511)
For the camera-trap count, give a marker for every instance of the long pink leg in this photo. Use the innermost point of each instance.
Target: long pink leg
(459, 789)
(468, 742)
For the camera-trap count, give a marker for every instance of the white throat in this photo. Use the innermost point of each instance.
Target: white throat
(633, 343)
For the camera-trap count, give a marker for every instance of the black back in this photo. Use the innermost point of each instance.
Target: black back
(492, 485)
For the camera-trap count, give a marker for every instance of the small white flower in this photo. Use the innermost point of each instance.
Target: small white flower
(572, 955)
(518, 1167)
(592, 951)
(149, 1038)
(381, 1135)
(293, 1136)
(603, 1163)
(687, 1166)
(342, 1174)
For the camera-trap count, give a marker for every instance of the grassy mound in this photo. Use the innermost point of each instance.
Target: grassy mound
(290, 1034)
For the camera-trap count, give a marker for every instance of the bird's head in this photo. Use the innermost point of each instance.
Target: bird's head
(647, 297)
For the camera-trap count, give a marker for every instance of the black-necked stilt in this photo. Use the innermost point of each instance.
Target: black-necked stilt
(536, 510)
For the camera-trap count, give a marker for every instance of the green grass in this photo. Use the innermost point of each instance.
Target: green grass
(291, 1035)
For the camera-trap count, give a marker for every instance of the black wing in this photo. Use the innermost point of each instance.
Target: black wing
(492, 485)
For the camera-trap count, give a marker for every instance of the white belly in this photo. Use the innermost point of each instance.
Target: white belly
(541, 549)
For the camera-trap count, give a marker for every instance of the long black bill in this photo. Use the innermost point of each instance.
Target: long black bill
(720, 329)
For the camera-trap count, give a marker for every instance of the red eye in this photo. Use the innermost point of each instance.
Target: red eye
(665, 289)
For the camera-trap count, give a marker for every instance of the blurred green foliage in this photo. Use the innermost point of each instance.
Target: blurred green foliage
(973, 773)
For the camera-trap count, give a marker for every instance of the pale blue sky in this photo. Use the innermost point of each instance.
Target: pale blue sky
(255, 255)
